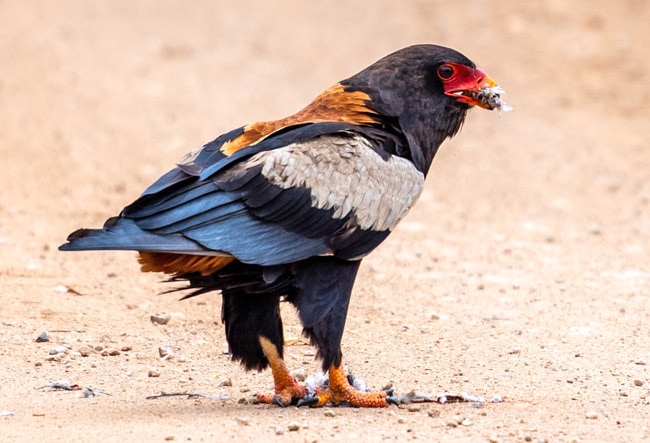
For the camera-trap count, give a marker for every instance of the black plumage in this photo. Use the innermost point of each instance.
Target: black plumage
(286, 210)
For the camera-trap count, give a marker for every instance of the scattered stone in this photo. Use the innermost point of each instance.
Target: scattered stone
(153, 373)
(328, 413)
(452, 424)
(63, 289)
(114, 352)
(591, 415)
(639, 361)
(58, 350)
(293, 427)
(225, 382)
(166, 352)
(515, 350)
(414, 408)
(170, 438)
(401, 420)
(638, 382)
(160, 319)
(43, 337)
(434, 413)
(84, 352)
(496, 399)
(279, 431)
(467, 422)
(126, 348)
(244, 421)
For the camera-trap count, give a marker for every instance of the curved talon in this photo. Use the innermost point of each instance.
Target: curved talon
(341, 392)
(308, 400)
(278, 401)
(393, 400)
(287, 391)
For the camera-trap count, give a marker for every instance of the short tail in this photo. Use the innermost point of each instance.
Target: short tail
(123, 234)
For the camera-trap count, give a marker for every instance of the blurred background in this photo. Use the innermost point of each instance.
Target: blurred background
(540, 215)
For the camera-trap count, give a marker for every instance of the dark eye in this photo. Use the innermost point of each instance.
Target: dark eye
(445, 72)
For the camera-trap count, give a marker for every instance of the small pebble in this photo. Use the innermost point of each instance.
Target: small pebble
(591, 415)
(225, 382)
(84, 352)
(496, 399)
(401, 420)
(43, 337)
(328, 413)
(467, 422)
(165, 352)
(434, 414)
(244, 421)
(58, 350)
(279, 431)
(639, 361)
(638, 382)
(153, 373)
(170, 438)
(293, 427)
(114, 352)
(160, 319)
(126, 348)
(452, 424)
(414, 408)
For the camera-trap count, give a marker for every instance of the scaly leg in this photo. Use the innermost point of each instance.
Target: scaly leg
(287, 391)
(340, 391)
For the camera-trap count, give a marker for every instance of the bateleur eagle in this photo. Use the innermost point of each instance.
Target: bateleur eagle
(286, 209)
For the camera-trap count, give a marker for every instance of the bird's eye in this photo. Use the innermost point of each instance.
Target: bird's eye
(445, 72)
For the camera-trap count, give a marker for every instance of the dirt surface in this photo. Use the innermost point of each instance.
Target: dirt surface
(523, 272)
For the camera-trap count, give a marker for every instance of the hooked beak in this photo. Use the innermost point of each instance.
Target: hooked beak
(475, 88)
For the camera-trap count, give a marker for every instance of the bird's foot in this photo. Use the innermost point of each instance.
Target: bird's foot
(287, 390)
(285, 395)
(340, 391)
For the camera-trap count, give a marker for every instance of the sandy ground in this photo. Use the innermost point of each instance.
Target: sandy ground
(523, 272)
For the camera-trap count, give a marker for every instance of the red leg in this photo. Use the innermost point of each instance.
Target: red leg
(340, 391)
(286, 389)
